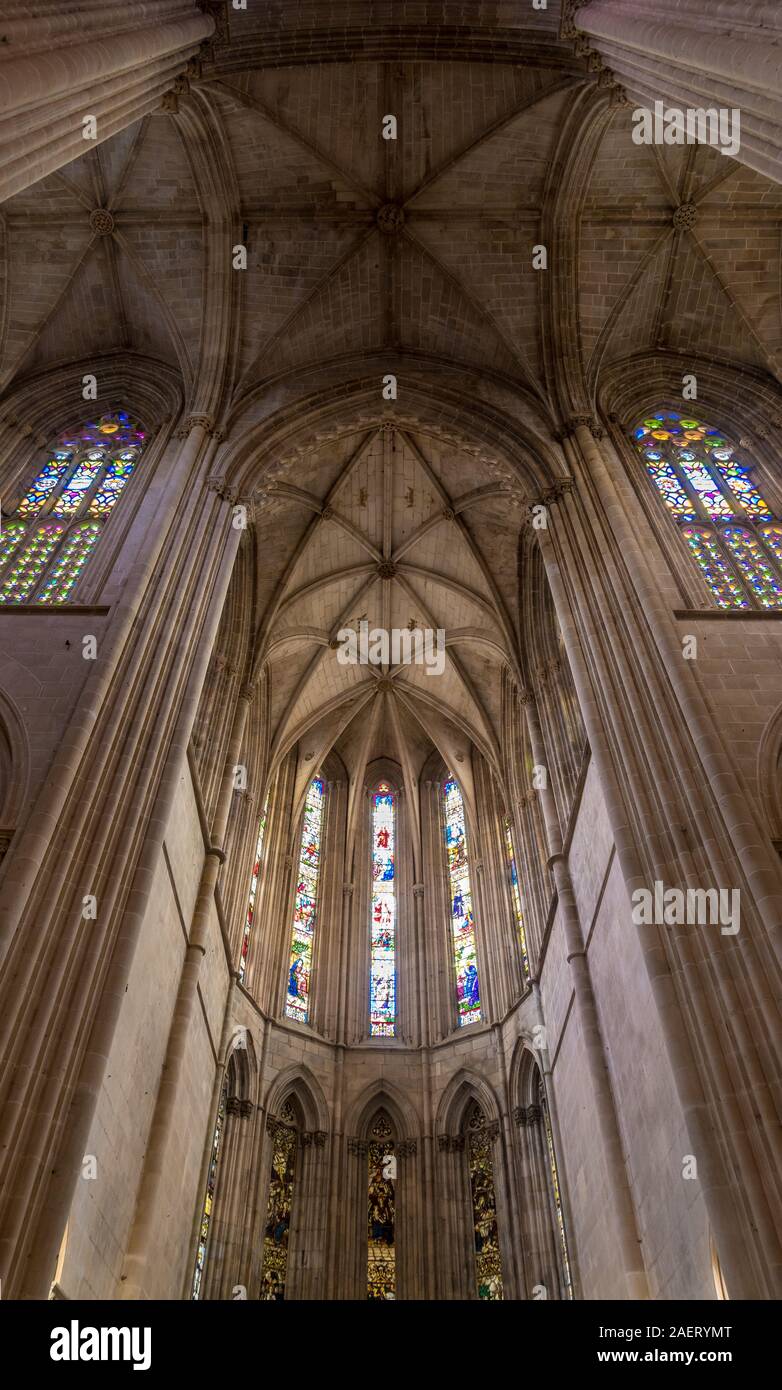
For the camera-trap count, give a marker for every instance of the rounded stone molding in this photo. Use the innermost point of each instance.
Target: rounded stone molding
(102, 221)
(685, 217)
(390, 218)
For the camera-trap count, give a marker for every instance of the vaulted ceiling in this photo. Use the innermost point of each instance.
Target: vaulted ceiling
(355, 242)
(387, 529)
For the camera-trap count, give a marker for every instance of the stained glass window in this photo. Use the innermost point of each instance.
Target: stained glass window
(48, 541)
(468, 996)
(279, 1205)
(382, 978)
(253, 890)
(381, 1263)
(515, 893)
(306, 905)
(706, 482)
(211, 1183)
(552, 1163)
(488, 1269)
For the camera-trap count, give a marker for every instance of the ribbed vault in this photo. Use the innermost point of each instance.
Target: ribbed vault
(402, 534)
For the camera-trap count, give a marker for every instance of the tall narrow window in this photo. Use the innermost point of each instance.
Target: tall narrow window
(515, 894)
(381, 1267)
(278, 1207)
(488, 1269)
(707, 484)
(49, 539)
(552, 1162)
(248, 924)
(209, 1198)
(468, 996)
(306, 905)
(382, 977)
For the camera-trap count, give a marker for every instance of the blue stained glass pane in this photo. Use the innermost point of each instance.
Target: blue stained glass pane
(382, 984)
(462, 920)
(306, 906)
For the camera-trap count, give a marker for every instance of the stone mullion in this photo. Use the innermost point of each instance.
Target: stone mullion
(457, 1219)
(328, 922)
(440, 982)
(337, 1178)
(355, 1221)
(720, 1201)
(530, 1214)
(410, 1220)
(726, 1088)
(506, 1192)
(101, 730)
(314, 1223)
(354, 964)
(409, 962)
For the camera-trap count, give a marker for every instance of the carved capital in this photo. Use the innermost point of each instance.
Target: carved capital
(358, 1147)
(216, 483)
(450, 1143)
(559, 488)
(169, 102)
(407, 1148)
(532, 1115)
(246, 1108)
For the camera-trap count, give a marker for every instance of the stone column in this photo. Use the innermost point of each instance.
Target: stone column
(58, 65)
(654, 787)
(165, 1104)
(118, 764)
(589, 1023)
(705, 53)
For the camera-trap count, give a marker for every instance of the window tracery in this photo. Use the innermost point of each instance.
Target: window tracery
(49, 539)
(707, 484)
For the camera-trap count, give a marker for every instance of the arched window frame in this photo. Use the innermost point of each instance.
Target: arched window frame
(382, 1019)
(306, 904)
(463, 944)
(61, 514)
(723, 535)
